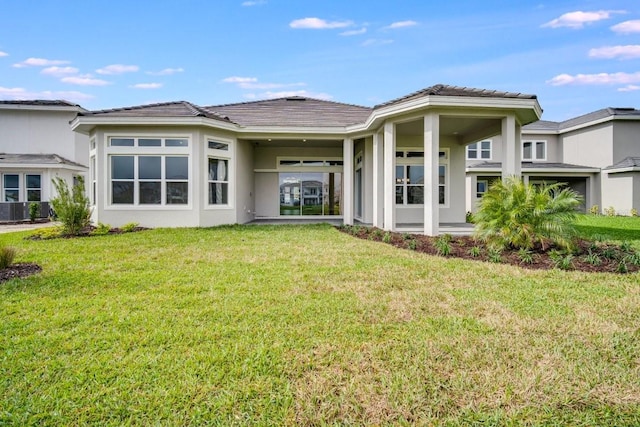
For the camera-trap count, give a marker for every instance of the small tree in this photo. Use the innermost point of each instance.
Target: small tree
(71, 207)
(519, 215)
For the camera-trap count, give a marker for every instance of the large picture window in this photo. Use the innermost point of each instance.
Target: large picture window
(149, 180)
(310, 193)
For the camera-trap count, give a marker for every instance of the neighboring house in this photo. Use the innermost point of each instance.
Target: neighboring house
(37, 145)
(401, 162)
(597, 155)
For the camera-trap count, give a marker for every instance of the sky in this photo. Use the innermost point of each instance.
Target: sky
(576, 56)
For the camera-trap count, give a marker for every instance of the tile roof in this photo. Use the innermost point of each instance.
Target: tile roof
(447, 90)
(165, 109)
(530, 165)
(40, 102)
(542, 125)
(293, 111)
(627, 162)
(44, 159)
(600, 114)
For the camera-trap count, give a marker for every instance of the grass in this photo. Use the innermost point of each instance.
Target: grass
(617, 228)
(304, 325)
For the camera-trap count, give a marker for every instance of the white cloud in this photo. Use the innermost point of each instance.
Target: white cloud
(118, 69)
(629, 88)
(39, 62)
(3, 54)
(59, 71)
(595, 79)
(18, 93)
(146, 86)
(579, 18)
(401, 24)
(627, 27)
(236, 79)
(354, 32)
(287, 94)
(376, 42)
(253, 3)
(166, 72)
(318, 24)
(620, 52)
(84, 80)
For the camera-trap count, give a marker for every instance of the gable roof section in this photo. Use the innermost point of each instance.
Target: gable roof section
(294, 111)
(447, 90)
(542, 125)
(41, 160)
(554, 167)
(598, 116)
(165, 109)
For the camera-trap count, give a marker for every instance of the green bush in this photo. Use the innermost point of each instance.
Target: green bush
(594, 210)
(34, 210)
(518, 215)
(443, 245)
(610, 211)
(49, 232)
(633, 212)
(71, 207)
(129, 227)
(7, 255)
(101, 229)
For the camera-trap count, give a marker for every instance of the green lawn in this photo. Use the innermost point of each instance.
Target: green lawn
(304, 325)
(619, 228)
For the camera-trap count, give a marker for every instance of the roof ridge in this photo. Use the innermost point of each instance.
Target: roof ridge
(285, 98)
(137, 107)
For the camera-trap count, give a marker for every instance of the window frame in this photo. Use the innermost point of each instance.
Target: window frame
(534, 152)
(137, 151)
(479, 150)
(410, 157)
(226, 151)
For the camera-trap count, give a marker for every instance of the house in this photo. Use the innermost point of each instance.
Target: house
(596, 154)
(399, 162)
(37, 145)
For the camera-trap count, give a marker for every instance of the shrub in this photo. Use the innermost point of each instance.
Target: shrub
(413, 244)
(561, 260)
(48, 232)
(129, 227)
(443, 244)
(594, 210)
(610, 211)
(495, 255)
(633, 212)
(469, 217)
(71, 207)
(526, 256)
(101, 229)
(34, 210)
(474, 251)
(592, 258)
(519, 215)
(7, 255)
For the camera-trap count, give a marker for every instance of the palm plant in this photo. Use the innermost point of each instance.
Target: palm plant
(519, 215)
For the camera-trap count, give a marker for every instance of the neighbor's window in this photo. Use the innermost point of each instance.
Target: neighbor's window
(218, 180)
(534, 150)
(149, 180)
(479, 150)
(34, 187)
(11, 185)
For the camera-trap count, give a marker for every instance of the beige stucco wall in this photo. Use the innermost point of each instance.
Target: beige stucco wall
(618, 192)
(592, 146)
(626, 135)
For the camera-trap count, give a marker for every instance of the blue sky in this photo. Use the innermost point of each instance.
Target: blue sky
(577, 56)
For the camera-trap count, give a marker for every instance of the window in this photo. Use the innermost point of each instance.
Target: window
(11, 183)
(149, 180)
(534, 150)
(410, 177)
(93, 180)
(218, 181)
(148, 142)
(479, 150)
(215, 145)
(481, 187)
(34, 188)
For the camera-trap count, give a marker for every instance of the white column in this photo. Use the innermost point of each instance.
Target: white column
(347, 181)
(389, 176)
(431, 161)
(511, 148)
(378, 180)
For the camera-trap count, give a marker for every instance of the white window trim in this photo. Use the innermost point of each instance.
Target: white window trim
(230, 156)
(533, 158)
(22, 185)
(145, 151)
(415, 161)
(479, 150)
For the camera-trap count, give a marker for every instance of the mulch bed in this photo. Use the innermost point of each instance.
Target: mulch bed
(20, 270)
(610, 256)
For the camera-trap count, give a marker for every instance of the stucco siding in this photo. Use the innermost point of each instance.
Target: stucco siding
(589, 147)
(626, 137)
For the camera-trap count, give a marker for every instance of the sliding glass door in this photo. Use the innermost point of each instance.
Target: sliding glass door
(310, 193)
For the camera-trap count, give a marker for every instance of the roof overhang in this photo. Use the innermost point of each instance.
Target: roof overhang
(25, 107)
(563, 171)
(85, 124)
(43, 166)
(622, 170)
